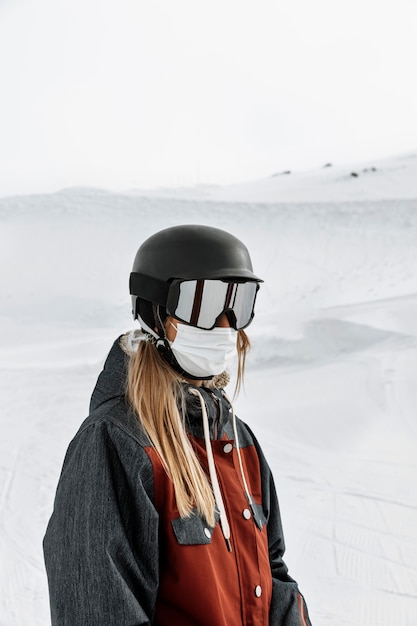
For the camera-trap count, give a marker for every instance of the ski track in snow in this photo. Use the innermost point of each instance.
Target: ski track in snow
(350, 511)
(330, 389)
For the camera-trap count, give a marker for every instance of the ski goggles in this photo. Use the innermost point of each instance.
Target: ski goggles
(201, 302)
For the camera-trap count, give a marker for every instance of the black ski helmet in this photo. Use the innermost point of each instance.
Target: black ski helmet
(188, 252)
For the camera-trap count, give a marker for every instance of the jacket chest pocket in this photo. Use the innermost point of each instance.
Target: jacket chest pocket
(193, 530)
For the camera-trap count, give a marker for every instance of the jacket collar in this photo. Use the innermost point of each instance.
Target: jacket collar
(111, 384)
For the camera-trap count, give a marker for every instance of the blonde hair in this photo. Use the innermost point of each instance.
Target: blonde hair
(155, 393)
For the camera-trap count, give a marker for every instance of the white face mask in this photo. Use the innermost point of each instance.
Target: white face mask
(204, 352)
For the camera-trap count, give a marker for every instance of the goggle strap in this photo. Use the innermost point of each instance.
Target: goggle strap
(149, 288)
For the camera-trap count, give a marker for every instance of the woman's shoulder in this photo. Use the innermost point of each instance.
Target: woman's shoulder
(109, 437)
(116, 418)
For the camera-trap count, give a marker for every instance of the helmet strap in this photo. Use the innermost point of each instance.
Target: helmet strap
(147, 328)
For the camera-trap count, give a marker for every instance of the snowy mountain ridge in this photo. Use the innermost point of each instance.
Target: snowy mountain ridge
(381, 179)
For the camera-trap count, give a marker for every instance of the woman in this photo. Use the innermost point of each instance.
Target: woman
(165, 511)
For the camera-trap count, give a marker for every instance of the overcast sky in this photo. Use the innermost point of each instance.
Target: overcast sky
(134, 93)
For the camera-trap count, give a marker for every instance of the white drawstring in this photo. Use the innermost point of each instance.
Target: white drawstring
(242, 472)
(213, 474)
(224, 522)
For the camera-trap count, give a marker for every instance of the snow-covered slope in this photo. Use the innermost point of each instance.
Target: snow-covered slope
(331, 384)
(373, 180)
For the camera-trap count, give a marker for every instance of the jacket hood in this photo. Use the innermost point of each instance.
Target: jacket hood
(111, 382)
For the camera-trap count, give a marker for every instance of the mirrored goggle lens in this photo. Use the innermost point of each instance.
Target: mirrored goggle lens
(200, 302)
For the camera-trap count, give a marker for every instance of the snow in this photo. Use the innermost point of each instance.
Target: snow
(330, 388)
(392, 178)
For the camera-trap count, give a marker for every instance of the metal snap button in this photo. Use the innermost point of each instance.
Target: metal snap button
(207, 533)
(227, 448)
(258, 591)
(246, 514)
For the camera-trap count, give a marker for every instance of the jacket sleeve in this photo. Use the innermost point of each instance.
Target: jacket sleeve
(101, 544)
(288, 607)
